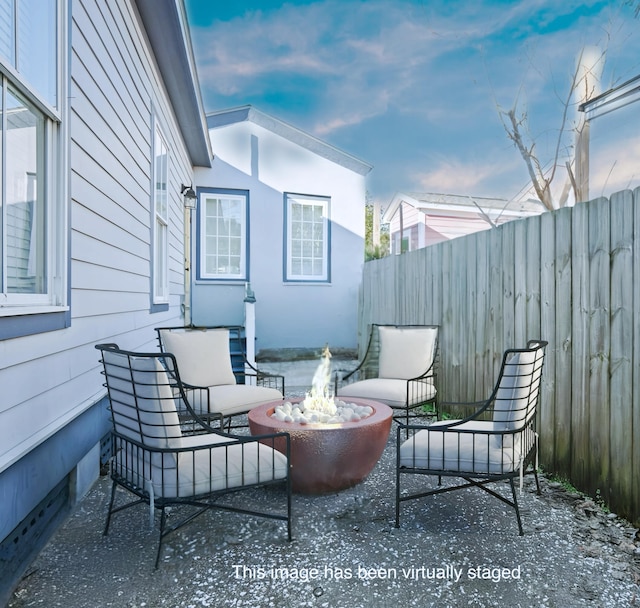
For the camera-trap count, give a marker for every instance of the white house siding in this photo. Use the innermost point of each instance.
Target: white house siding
(51, 381)
(288, 315)
(429, 229)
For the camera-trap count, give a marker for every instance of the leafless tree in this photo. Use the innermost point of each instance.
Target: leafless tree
(516, 124)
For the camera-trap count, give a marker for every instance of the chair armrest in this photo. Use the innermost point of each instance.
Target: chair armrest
(260, 373)
(348, 376)
(192, 419)
(442, 427)
(280, 441)
(340, 375)
(264, 379)
(475, 408)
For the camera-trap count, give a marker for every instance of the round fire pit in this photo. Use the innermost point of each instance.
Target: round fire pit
(328, 457)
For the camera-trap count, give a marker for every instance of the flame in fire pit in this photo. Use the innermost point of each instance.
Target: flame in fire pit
(319, 399)
(319, 405)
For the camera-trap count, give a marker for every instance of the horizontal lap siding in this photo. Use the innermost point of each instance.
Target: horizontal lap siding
(115, 90)
(569, 277)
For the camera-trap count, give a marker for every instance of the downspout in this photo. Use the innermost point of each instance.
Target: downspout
(401, 228)
(187, 266)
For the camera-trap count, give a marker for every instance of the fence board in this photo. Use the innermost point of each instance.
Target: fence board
(547, 332)
(635, 421)
(520, 284)
(599, 345)
(436, 285)
(495, 302)
(482, 345)
(562, 342)
(508, 285)
(470, 354)
(450, 350)
(621, 378)
(533, 277)
(580, 451)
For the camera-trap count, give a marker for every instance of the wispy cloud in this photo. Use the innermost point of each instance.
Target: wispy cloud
(339, 68)
(452, 175)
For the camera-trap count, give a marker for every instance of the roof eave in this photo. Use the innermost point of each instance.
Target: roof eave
(166, 26)
(234, 115)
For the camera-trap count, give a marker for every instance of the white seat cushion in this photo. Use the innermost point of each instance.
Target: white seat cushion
(461, 451)
(219, 468)
(390, 391)
(210, 469)
(238, 398)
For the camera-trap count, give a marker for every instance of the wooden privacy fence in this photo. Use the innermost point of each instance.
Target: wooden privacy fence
(571, 277)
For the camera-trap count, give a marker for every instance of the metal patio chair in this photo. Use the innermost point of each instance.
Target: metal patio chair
(165, 454)
(205, 362)
(398, 369)
(497, 442)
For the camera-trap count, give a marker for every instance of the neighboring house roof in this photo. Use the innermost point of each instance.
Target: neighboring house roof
(453, 204)
(293, 134)
(612, 99)
(166, 26)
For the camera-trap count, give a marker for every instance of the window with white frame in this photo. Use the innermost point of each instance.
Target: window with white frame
(307, 238)
(160, 219)
(223, 235)
(33, 206)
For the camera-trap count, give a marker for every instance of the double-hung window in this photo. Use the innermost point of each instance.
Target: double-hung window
(223, 222)
(160, 219)
(307, 236)
(33, 163)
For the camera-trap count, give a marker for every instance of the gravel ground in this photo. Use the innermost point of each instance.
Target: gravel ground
(457, 549)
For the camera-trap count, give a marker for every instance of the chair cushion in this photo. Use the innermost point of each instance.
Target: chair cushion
(392, 392)
(217, 468)
(406, 352)
(464, 452)
(142, 402)
(202, 471)
(238, 398)
(516, 389)
(203, 356)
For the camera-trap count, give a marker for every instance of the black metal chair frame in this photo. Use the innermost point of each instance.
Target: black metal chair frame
(132, 459)
(199, 394)
(368, 368)
(484, 410)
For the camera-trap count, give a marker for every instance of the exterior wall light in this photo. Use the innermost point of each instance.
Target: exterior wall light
(189, 196)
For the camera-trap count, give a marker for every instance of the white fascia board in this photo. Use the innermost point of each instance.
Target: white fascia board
(293, 134)
(611, 100)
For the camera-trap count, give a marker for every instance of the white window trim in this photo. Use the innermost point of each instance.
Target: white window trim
(216, 194)
(160, 272)
(56, 153)
(325, 202)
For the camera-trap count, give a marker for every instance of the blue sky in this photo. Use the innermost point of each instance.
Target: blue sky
(412, 86)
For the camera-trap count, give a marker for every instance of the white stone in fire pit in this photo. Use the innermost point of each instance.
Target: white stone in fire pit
(302, 414)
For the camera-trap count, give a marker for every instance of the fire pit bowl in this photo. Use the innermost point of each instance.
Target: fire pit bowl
(328, 457)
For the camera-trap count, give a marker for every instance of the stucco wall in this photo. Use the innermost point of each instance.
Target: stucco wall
(288, 315)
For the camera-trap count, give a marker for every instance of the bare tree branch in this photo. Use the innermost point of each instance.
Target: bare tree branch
(483, 213)
(516, 127)
(514, 132)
